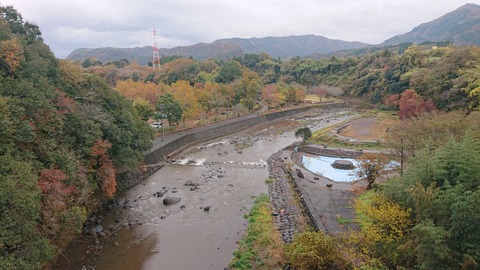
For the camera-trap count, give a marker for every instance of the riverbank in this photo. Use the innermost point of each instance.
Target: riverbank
(226, 174)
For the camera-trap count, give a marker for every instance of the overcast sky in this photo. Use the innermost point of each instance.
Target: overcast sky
(70, 24)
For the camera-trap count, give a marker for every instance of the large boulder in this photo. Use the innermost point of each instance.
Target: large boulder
(171, 200)
(343, 164)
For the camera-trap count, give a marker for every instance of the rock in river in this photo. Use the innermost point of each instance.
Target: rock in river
(343, 164)
(171, 200)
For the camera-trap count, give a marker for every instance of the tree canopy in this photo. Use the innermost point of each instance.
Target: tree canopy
(64, 134)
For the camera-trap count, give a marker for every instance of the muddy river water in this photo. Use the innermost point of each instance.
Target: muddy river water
(200, 231)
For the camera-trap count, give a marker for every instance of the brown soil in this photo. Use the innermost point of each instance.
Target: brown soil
(370, 128)
(361, 129)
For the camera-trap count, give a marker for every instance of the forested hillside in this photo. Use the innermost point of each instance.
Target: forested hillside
(446, 74)
(63, 136)
(459, 27)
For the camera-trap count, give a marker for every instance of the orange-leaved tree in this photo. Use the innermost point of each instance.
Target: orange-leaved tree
(104, 168)
(271, 95)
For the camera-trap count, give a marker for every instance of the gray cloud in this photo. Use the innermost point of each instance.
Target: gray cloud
(68, 25)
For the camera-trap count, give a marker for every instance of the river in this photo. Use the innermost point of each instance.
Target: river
(201, 231)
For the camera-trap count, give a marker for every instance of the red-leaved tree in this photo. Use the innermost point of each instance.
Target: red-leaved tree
(105, 170)
(56, 196)
(55, 191)
(392, 100)
(64, 104)
(412, 105)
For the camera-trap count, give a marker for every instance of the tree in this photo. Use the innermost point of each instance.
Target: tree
(385, 227)
(431, 246)
(55, 119)
(304, 133)
(170, 107)
(142, 109)
(315, 250)
(228, 94)
(180, 69)
(21, 245)
(370, 165)
(186, 97)
(412, 105)
(208, 97)
(103, 165)
(10, 55)
(320, 91)
(271, 95)
(229, 72)
(247, 89)
(392, 101)
(89, 62)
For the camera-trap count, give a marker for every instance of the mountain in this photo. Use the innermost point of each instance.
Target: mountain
(283, 47)
(461, 26)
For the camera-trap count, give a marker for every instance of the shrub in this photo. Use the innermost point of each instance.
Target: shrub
(315, 250)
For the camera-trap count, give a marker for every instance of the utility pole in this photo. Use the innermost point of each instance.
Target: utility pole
(155, 55)
(162, 107)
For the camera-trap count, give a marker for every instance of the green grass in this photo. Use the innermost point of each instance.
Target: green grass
(342, 220)
(364, 199)
(261, 246)
(269, 180)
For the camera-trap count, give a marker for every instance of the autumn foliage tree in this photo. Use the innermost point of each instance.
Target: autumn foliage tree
(185, 95)
(56, 207)
(105, 170)
(370, 165)
(315, 250)
(271, 95)
(385, 226)
(412, 105)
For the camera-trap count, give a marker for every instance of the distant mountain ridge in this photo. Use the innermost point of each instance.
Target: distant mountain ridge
(283, 47)
(461, 26)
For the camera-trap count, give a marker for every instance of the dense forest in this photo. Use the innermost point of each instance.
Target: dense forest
(445, 74)
(63, 136)
(67, 128)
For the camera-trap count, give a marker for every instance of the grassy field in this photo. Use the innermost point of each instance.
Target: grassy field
(375, 134)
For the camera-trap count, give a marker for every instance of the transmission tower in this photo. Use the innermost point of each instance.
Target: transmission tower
(155, 55)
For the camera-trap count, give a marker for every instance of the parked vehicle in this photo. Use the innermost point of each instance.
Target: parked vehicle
(156, 125)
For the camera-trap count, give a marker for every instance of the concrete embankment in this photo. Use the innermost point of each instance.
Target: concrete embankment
(205, 133)
(153, 160)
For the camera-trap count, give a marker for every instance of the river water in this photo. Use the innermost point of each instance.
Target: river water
(229, 173)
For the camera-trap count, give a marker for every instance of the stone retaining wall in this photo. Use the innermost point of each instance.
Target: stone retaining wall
(283, 203)
(329, 152)
(127, 180)
(285, 210)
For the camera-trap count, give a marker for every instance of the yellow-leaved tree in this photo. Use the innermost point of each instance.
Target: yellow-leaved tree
(385, 227)
(185, 95)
